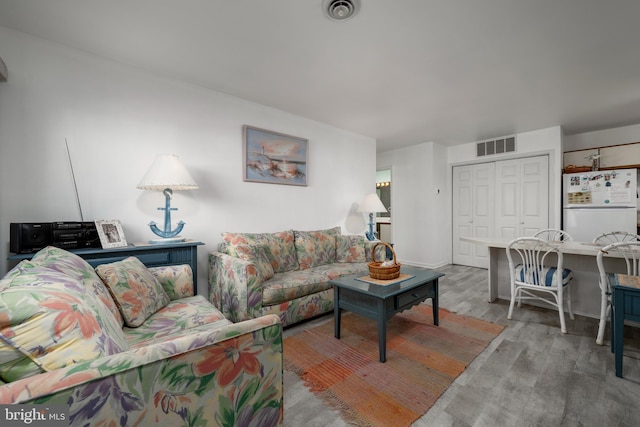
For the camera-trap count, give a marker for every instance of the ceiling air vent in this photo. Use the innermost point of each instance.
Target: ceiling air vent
(496, 146)
(341, 10)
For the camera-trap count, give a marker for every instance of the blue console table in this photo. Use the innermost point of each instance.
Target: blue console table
(151, 255)
(626, 306)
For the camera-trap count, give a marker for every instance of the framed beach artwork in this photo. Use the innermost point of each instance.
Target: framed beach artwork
(111, 234)
(274, 158)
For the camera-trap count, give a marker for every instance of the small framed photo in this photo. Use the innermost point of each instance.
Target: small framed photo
(274, 158)
(111, 234)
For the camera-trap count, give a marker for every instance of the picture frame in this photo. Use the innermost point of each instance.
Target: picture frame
(111, 234)
(274, 158)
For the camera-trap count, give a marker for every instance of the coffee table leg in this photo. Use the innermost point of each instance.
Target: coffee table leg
(434, 300)
(382, 332)
(336, 312)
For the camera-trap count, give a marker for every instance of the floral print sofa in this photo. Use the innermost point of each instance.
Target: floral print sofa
(284, 273)
(124, 345)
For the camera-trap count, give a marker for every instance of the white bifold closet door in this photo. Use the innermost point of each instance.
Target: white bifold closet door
(522, 196)
(473, 201)
(506, 199)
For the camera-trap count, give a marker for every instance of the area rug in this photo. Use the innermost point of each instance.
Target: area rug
(422, 361)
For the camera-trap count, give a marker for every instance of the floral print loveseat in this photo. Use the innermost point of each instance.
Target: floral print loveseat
(284, 273)
(124, 345)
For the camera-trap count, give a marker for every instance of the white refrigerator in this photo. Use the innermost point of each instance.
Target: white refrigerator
(598, 202)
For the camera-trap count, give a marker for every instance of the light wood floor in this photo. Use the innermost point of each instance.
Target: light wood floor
(530, 375)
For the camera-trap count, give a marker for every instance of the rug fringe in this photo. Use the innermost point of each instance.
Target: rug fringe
(329, 399)
(348, 415)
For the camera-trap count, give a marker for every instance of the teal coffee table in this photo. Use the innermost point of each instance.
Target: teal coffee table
(381, 302)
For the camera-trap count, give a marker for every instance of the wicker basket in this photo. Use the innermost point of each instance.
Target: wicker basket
(376, 271)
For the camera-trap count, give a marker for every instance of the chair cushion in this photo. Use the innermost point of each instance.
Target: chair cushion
(178, 316)
(136, 291)
(547, 274)
(48, 321)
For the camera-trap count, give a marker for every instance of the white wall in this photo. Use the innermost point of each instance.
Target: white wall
(421, 218)
(602, 138)
(418, 215)
(116, 119)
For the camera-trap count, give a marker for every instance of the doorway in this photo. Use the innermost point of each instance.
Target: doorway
(383, 219)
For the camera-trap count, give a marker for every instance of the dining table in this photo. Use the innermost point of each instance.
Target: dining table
(579, 257)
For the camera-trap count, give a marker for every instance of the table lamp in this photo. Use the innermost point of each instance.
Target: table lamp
(167, 174)
(371, 204)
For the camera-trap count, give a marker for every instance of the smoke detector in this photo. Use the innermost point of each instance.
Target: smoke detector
(341, 10)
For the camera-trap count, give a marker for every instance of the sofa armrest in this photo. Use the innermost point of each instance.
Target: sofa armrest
(381, 251)
(176, 280)
(235, 287)
(224, 376)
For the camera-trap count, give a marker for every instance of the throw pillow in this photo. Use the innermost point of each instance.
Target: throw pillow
(47, 321)
(315, 248)
(350, 249)
(136, 291)
(260, 255)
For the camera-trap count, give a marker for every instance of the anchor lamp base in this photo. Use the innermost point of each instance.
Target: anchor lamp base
(167, 240)
(167, 174)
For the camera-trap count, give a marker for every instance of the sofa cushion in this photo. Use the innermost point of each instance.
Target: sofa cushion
(260, 255)
(176, 280)
(350, 249)
(285, 287)
(177, 316)
(48, 321)
(314, 248)
(280, 245)
(76, 267)
(136, 291)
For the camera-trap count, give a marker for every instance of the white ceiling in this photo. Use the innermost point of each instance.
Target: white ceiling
(401, 71)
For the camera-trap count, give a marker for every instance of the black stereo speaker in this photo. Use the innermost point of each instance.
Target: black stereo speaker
(28, 237)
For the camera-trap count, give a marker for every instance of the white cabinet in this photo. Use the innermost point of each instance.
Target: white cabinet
(522, 196)
(473, 202)
(623, 156)
(620, 156)
(579, 158)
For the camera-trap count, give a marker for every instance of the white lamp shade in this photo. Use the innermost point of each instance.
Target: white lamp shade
(167, 171)
(371, 203)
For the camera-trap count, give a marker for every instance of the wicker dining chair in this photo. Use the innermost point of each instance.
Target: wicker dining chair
(552, 234)
(615, 236)
(629, 251)
(536, 271)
